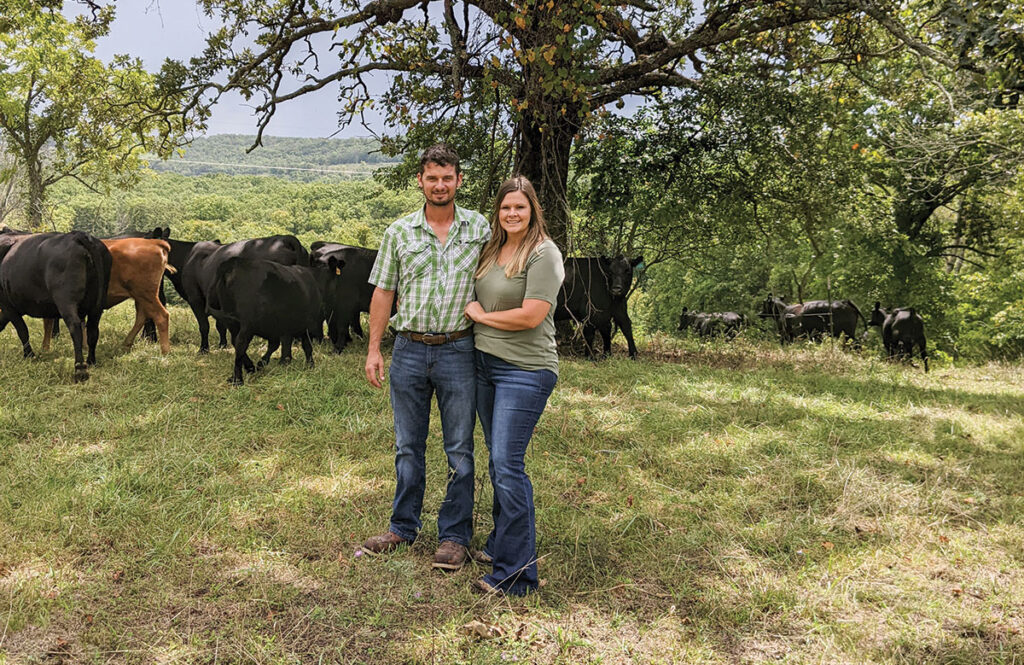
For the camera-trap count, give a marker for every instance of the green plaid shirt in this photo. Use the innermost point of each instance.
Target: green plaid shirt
(434, 283)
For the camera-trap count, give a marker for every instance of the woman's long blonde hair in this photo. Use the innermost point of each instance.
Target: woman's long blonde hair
(536, 232)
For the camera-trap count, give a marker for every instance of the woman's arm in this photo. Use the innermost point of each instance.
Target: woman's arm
(527, 317)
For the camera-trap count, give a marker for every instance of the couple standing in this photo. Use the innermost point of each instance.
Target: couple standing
(494, 356)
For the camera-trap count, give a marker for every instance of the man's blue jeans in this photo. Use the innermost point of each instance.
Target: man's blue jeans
(417, 372)
(510, 401)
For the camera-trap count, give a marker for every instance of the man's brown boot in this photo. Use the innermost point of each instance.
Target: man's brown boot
(450, 556)
(383, 544)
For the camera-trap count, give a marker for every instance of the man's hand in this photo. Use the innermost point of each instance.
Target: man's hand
(380, 310)
(375, 368)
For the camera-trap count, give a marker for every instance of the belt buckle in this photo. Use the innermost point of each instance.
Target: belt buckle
(435, 339)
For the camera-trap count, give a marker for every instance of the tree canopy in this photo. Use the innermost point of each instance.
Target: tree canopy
(533, 74)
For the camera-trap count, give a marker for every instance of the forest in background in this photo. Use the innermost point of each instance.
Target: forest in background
(292, 158)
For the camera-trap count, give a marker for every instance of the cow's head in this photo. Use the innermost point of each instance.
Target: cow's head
(878, 315)
(619, 271)
(771, 307)
(687, 318)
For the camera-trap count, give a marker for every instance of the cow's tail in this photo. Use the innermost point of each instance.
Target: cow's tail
(225, 293)
(857, 310)
(100, 262)
(165, 249)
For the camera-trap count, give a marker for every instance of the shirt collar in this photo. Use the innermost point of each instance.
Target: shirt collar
(459, 221)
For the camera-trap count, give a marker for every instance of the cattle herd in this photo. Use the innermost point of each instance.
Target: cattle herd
(275, 289)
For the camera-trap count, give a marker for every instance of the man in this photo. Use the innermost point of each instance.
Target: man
(428, 258)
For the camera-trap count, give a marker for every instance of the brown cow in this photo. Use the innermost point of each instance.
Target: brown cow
(137, 271)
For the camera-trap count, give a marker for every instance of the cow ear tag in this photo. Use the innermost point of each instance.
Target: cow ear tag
(640, 266)
(337, 271)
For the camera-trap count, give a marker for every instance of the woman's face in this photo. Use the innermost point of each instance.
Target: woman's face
(514, 214)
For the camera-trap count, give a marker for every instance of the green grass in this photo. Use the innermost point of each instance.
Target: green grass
(718, 503)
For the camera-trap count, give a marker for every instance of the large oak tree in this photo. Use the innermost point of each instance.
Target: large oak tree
(533, 73)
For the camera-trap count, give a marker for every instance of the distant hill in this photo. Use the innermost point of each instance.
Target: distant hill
(293, 158)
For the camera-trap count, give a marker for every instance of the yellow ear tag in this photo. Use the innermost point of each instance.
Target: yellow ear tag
(337, 271)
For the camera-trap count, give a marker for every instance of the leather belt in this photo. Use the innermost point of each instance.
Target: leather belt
(434, 339)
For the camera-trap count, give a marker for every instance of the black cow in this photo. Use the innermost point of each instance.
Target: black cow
(711, 323)
(786, 317)
(261, 298)
(593, 294)
(902, 330)
(813, 319)
(353, 294)
(199, 271)
(51, 275)
(149, 328)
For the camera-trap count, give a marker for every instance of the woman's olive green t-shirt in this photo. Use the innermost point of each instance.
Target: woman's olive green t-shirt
(532, 349)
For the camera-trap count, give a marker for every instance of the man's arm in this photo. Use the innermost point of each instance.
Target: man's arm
(380, 312)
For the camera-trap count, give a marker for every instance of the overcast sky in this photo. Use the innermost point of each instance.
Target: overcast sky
(158, 29)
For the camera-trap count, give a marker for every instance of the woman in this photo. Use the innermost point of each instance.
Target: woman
(517, 283)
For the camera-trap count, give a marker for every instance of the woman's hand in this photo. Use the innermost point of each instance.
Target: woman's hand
(474, 312)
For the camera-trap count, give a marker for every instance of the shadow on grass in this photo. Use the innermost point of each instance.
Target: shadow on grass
(188, 520)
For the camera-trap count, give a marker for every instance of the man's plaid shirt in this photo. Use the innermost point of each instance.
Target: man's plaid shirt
(434, 283)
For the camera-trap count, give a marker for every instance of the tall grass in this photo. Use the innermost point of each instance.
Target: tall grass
(708, 503)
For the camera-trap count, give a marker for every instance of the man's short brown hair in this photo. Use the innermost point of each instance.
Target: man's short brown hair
(440, 154)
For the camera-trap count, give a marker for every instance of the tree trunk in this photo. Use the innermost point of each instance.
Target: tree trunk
(543, 157)
(36, 192)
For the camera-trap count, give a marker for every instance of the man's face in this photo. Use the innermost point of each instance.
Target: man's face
(439, 183)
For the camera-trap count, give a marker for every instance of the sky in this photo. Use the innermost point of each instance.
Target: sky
(157, 29)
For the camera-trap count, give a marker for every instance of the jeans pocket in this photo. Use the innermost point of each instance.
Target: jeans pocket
(401, 341)
(464, 344)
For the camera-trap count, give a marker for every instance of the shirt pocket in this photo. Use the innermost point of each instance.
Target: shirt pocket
(468, 255)
(415, 258)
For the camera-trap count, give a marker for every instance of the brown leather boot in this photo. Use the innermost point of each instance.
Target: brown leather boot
(450, 556)
(383, 543)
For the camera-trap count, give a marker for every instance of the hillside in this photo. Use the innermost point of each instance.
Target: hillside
(286, 157)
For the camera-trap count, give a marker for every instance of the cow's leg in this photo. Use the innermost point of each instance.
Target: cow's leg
(286, 350)
(91, 334)
(242, 359)
(203, 319)
(272, 345)
(22, 330)
(627, 331)
(151, 311)
(162, 320)
(334, 333)
(222, 330)
(140, 321)
(49, 326)
(307, 348)
(855, 340)
(606, 338)
(357, 324)
(151, 330)
(588, 339)
(55, 328)
(924, 354)
(69, 312)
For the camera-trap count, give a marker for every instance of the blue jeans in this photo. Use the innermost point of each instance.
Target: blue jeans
(417, 372)
(510, 401)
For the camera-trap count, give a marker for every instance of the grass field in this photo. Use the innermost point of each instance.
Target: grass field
(720, 504)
